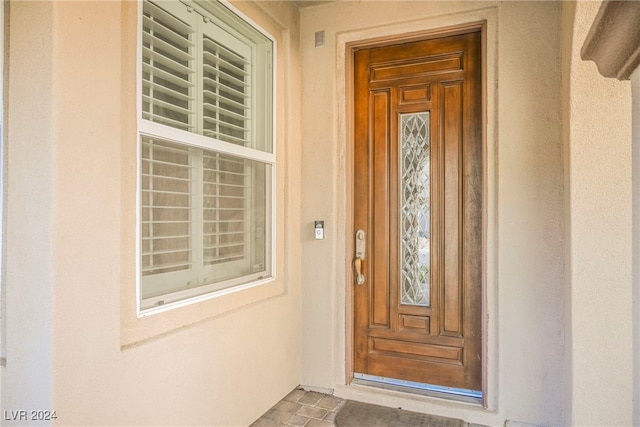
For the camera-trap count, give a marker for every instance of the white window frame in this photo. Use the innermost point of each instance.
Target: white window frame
(190, 139)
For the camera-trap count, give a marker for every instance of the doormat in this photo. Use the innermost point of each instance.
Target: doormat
(358, 414)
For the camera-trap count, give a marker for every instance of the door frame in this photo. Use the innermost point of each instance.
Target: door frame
(488, 198)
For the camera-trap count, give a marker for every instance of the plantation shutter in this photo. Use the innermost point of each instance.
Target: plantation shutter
(168, 54)
(226, 93)
(166, 208)
(226, 116)
(204, 206)
(225, 208)
(196, 76)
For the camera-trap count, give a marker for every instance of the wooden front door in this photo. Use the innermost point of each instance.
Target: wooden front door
(418, 201)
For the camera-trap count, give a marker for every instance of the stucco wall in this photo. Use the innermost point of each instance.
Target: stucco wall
(635, 84)
(29, 171)
(73, 342)
(599, 175)
(525, 256)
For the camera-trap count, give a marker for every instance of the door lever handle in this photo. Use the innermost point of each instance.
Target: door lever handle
(357, 265)
(361, 244)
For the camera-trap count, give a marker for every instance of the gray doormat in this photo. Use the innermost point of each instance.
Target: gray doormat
(357, 414)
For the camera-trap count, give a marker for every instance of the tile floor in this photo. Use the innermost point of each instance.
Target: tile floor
(302, 408)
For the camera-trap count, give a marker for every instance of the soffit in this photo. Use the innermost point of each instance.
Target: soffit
(308, 3)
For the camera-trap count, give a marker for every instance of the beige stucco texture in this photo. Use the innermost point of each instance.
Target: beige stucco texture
(557, 270)
(599, 214)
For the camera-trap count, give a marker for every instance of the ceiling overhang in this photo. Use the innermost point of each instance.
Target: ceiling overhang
(308, 3)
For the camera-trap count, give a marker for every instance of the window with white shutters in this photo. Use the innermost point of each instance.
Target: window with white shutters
(206, 154)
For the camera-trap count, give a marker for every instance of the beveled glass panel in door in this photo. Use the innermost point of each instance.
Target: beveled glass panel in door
(415, 237)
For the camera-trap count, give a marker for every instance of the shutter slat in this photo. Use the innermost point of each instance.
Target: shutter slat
(167, 91)
(167, 121)
(171, 50)
(224, 137)
(167, 76)
(225, 123)
(226, 221)
(176, 236)
(211, 45)
(228, 185)
(236, 161)
(222, 110)
(164, 252)
(226, 172)
(172, 178)
(226, 101)
(226, 245)
(166, 222)
(176, 193)
(172, 64)
(221, 73)
(158, 207)
(217, 62)
(228, 233)
(220, 260)
(159, 13)
(162, 268)
(223, 209)
(168, 105)
(229, 198)
(172, 29)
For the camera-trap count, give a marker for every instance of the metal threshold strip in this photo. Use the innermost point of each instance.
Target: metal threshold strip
(422, 388)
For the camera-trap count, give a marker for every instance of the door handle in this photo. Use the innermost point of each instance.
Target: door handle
(361, 244)
(357, 264)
